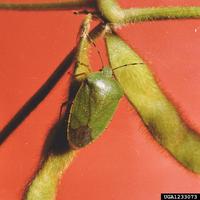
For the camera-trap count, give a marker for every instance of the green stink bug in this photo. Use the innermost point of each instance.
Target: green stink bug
(93, 107)
(96, 99)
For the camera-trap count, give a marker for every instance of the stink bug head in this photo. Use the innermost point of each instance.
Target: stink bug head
(103, 83)
(107, 71)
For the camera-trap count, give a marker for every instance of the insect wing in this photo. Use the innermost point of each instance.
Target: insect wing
(105, 94)
(92, 109)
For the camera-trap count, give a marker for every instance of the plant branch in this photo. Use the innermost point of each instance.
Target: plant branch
(146, 14)
(111, 10)
(65, 5)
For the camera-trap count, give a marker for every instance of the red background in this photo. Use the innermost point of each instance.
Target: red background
(125, 163)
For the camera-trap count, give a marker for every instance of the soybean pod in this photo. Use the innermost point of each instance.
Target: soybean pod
(155, 109)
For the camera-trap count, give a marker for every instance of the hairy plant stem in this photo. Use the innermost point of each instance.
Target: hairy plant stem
(111, 10)
(44, 186)
(59, 5)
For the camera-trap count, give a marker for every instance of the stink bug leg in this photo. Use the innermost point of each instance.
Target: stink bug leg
(64, 104)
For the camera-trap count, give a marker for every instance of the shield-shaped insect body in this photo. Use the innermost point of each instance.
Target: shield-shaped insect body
(93, 108)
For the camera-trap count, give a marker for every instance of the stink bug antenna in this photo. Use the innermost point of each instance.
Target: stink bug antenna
(98, 52)
(128, 65)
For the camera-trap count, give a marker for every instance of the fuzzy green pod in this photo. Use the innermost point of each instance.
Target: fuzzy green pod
(93, 108)
(117, 15)
(82, 65)
(44, 185)
(157, 112)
